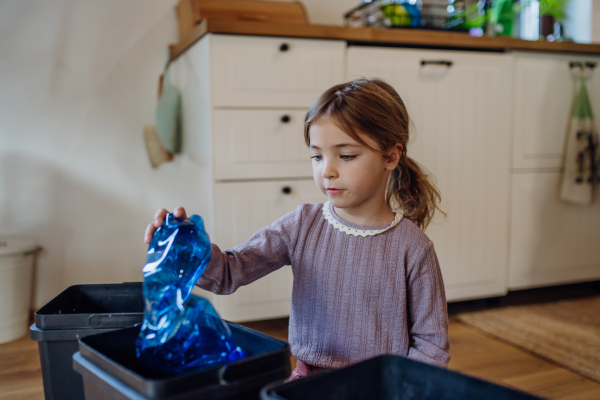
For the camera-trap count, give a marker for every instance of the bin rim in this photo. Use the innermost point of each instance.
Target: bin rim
(265, 393)
(81, 364)
(86, 351)
(47, 319)
(90, 370)
(56, 335)
(152, 387)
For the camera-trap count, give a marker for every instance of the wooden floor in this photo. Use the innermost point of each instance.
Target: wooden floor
(472, 353)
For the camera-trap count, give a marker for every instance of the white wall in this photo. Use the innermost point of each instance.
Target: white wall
(328, 12)
(77, 85)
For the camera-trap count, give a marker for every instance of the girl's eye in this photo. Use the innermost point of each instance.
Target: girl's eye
(317, 158)
(347, 158)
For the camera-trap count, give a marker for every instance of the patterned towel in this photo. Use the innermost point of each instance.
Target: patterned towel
(581, 159)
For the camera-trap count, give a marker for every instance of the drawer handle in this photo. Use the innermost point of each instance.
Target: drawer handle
(587, 64)
(284, 47)
(286, 190)
(285, 119)
(436, 62)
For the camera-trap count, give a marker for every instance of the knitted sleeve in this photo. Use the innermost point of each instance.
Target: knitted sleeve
(427, 310)
(266, 251)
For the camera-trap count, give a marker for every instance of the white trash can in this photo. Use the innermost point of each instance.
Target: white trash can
(17, 255)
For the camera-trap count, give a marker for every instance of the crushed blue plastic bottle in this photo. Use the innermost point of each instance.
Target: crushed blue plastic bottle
(181, 331)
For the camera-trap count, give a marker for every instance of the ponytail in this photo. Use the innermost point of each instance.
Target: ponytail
(410, 189)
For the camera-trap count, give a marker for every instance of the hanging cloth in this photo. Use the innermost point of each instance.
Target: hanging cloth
(168, 112)
(580, 175)
(163, 139)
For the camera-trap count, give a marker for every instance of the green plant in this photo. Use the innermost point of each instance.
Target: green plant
(554, 8)
(474, 16)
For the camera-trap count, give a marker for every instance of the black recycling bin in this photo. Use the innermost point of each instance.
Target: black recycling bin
(390, 377)
(111, 370)
(77, 312)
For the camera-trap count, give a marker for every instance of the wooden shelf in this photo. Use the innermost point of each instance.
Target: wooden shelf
(401, 37)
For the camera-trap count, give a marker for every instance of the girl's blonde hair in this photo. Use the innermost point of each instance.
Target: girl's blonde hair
(374, 108)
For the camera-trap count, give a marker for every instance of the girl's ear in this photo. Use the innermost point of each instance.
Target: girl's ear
(393, 157)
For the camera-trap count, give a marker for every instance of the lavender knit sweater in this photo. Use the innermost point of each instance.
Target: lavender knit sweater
(354, 297)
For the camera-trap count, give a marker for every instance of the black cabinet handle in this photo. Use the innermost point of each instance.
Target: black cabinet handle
(436, 62)
(285, 119)
(286, 190)
(284, 47)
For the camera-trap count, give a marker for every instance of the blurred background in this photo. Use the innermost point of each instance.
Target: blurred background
(85, 161)
(77, 86)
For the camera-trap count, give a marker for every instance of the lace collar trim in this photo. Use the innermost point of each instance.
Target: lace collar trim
(356, 231)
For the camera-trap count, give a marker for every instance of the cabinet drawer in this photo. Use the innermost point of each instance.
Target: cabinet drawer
(257, 144)
(241, 209)
(272, 71)
(544, 92)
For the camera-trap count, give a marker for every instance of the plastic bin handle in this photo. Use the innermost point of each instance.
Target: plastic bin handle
(267, 392)
(114, 320)
(246, 379)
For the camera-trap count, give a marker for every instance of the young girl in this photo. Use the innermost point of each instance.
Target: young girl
(366, 278)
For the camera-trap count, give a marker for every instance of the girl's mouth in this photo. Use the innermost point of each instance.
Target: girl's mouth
(334, 190)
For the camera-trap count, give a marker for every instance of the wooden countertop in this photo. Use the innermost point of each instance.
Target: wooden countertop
(407, 37)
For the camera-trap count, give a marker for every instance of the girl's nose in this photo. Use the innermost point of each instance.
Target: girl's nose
(329, 171)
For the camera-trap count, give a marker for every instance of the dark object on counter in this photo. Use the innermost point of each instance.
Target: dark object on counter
(390, 377)
(546, 25)
(77, 312)
(111, 370)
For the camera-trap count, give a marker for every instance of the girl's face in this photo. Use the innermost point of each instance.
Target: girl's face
(348, 173)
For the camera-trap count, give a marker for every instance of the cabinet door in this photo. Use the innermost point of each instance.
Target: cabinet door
(252, 71)
(258, 144)
(544, 90)
(551, 242)
(241, 209)
(461, 117)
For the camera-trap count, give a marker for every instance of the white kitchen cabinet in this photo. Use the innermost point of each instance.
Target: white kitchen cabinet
(244, 100)
(242, 209)
(245, 207)
(462, 119)
(551, 242)
(243, 107)
(544, 89)
(252, 71)
(259, 144)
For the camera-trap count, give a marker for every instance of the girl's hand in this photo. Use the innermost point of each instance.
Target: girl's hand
(159, 217)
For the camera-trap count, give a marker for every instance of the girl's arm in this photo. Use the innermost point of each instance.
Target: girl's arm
(267, 250)
(427, 310)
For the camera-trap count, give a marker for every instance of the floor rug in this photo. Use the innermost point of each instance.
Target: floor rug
(566, 333)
